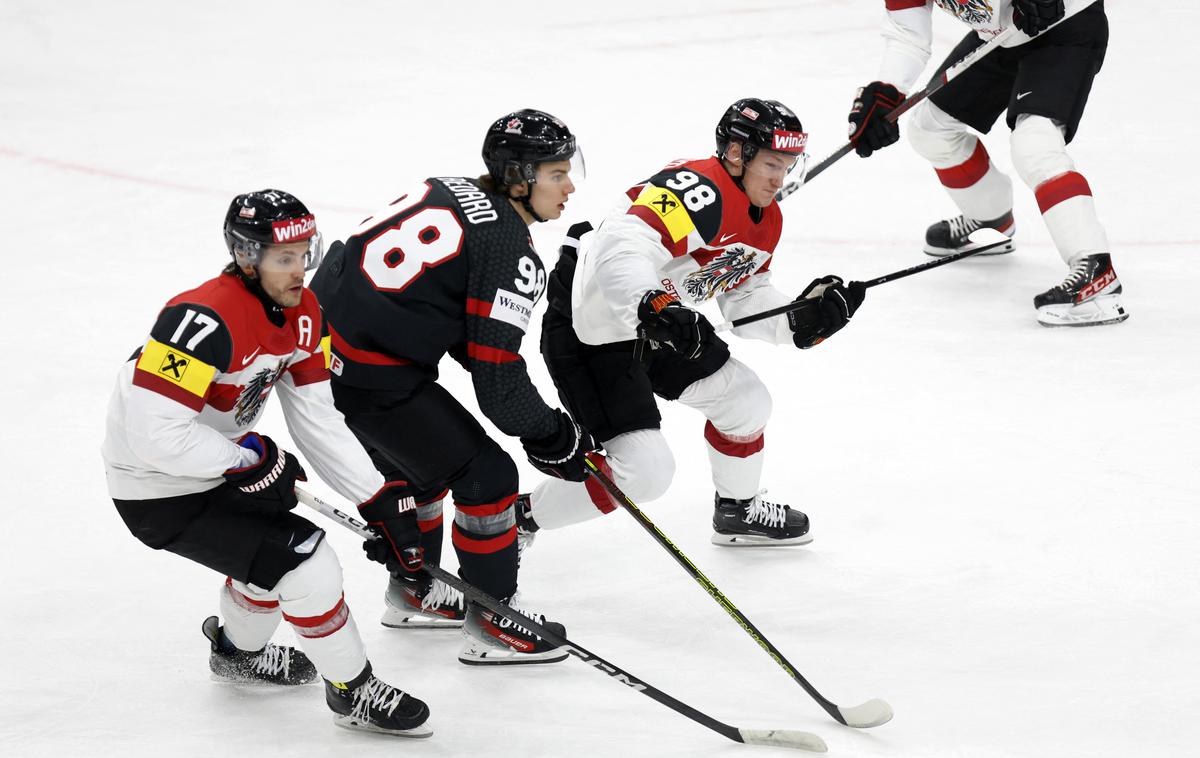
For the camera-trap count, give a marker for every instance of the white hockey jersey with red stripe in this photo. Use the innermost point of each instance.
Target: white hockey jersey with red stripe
(201, 380)
(690, 230)
(908, 31)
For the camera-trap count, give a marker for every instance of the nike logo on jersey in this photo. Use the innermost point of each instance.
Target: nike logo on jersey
(250, 357)
(726, 237)
(1023, 94)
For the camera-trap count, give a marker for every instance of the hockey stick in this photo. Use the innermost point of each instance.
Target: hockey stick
(775, 737)
(986, 239)
(939, 81)
(868, 714)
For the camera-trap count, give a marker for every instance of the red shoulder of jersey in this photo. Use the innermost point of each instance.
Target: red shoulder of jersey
(697, 204)
(311, 362)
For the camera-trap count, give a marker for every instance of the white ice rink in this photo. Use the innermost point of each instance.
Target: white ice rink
(1006, 516)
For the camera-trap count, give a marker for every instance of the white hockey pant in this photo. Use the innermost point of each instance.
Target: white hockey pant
(981, 191)
(309, 597)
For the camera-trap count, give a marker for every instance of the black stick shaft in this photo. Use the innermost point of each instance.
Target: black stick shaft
(799, 305)
(495, 606)
(716, 594)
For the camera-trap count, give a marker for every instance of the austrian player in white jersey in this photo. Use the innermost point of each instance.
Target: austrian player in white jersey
(1041, 76)
(618, 332)
(188, 474)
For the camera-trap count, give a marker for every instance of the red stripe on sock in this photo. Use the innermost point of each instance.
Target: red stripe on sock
(430, 524)
(968, 172)
(315, 627)
(487, 509)
(735, 448)
(603, 501)
(247, 602)
(1062, 187)
(490, 545)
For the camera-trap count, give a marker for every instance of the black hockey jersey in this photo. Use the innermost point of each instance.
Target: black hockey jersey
(447, 267)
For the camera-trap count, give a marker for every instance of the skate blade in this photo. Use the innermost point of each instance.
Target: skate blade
(397, 619)
(231, 679)
(357, 725)
(941, 252)
(1106, 309)
(486, 655)
(755, 540)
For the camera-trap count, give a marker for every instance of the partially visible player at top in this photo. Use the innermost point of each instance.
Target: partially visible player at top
(449, 267)
(1041, 77)
(696, 230)
(189, 475)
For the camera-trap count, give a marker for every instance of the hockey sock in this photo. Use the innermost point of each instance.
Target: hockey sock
(311, 598)
(250, 616)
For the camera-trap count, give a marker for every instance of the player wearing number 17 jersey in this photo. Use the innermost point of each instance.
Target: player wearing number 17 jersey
(449, 267)
(697, 230)
(189, 475)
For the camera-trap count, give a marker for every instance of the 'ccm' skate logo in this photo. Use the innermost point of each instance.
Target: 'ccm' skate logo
(622, 678)
(293, 229)
(789, 142)
(1097, 285)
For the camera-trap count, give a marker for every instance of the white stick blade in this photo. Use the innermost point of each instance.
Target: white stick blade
(869, 714)
(784, 738)
(986, 236)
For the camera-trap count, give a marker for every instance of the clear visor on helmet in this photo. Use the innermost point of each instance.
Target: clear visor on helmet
(301, 255)
(554, 172)
(779, 166)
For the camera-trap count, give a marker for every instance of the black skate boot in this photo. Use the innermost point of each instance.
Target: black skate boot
(370, 705)
(422, 603)
(493, 640)
(952, 235)
(526, 526)
(752, 522)
(1089, 296)
(274, 664)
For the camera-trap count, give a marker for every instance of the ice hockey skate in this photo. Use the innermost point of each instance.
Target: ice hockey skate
(274, 664)
(492, 640)
(757, 522)
(422, 603)
(954, 235)
(1089, 296)
(371, 705)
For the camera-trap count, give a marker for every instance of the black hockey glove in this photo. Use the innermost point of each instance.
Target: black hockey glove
(392, 514)
(1035, 16)
(270, 483)
(869, 130)
(561, 454)
(667, 321)
(834, 305)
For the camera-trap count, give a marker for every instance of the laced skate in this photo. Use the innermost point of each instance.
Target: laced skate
(420, 604)
(492, 640)
(371, 705)
(1089, 296)
(953, 235)
(756, 521)
(274, 664)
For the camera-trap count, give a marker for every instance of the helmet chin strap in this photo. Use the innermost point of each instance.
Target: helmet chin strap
(526, 202)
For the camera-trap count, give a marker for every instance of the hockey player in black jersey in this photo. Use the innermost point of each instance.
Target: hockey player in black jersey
(449, 267)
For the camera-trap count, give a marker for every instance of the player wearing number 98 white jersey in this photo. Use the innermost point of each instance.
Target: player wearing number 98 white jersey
(696, 231)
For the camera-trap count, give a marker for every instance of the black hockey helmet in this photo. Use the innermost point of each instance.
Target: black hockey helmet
(270, 217)
(760, 125)
(516, 143)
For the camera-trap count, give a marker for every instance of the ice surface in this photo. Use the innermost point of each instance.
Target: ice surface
(1005, 515)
